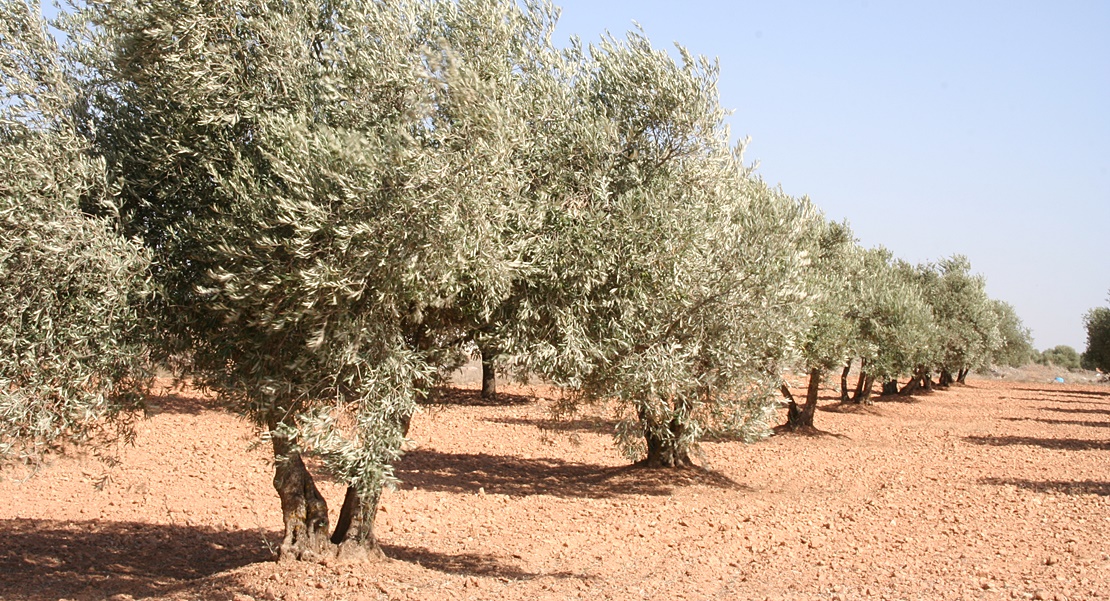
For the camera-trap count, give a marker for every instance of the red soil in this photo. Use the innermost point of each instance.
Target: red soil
(993, 491)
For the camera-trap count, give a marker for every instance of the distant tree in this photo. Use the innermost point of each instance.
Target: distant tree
(895, 324)
(1097, 354)
(74, 365)
(326, 188)
(1016, 347)
(967, 325)
(1061, 356)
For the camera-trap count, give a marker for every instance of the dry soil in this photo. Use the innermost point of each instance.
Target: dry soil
(997, 490)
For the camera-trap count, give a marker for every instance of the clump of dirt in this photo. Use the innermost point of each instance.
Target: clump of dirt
(997, 490)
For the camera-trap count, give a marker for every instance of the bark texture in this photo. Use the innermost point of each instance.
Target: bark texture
(665, 450)
(799, 418)
(354, 530)
(844, 382)
(303, 509)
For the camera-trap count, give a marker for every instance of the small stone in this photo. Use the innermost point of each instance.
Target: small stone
(1040, 595)
(1051, 561)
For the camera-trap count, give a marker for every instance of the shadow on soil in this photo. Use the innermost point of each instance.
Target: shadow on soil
(49, 560)
(1083, 487)
(1062, 444)
(1080, 393)
(1063, 422)
(597, 426)
(178, 404)
(467, 397)
(1062, 410)
(515, 476)
(466, 564)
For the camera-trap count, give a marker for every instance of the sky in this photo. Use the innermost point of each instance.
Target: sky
(935, 128)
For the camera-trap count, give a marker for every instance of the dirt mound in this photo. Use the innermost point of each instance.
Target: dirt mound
(998, 490)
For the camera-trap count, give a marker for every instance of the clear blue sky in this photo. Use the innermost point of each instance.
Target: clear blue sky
(935, 128)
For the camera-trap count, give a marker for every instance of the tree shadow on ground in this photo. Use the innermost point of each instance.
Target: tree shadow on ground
(852, 408)
(1064, 422)
(470, 397)
(597, 426)
(1067, 410)
(1082, 393)
(1063, 444)
(807, 431)
(179, 404)
(50, 559)
(467, 564)
(515, 476)
(1081, 487)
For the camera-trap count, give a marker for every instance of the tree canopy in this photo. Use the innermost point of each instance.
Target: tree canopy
(72, 289)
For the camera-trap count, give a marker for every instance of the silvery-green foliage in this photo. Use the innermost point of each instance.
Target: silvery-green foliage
(326, 187)
(661, 274)
(895, 324)
(834, 269)
(967, 324)
(1015, 347)
(72, 361)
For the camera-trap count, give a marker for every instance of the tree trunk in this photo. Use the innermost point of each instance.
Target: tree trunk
(857, 396)
(786, 392)
(916, 382)
(863, 390)
(489, 375)
(354, 530)
(946, 378)
(844, 381)
(890, 387)
(802, 418)
(962, 379)
(303, 509)
(665, 451)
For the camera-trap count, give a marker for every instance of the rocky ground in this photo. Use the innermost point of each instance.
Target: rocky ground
(998, 490)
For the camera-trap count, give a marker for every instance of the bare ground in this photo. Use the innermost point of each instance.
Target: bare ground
(998, 490)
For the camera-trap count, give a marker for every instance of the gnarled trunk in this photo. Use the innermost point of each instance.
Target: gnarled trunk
(303, 509)
(354, 530)
(946, 378)
(922, 379)
(489, 375)
(890, 387)
(863, 388)
(962, 378)
(665, 450)
(798, 418)
(844, 381)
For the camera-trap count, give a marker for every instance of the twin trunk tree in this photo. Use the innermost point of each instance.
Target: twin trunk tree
(801, 418)
(863, 387)
(305, 512)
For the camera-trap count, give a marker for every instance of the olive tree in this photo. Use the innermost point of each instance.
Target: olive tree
(894, 324)
(1097, 355)
(1015, 347)
(325, 187)
(73, 365)
(663, 277)
(830, 333)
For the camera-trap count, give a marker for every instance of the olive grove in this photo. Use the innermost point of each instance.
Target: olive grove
(314, 208)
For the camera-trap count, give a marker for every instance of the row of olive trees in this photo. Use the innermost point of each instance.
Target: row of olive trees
(317, 205)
